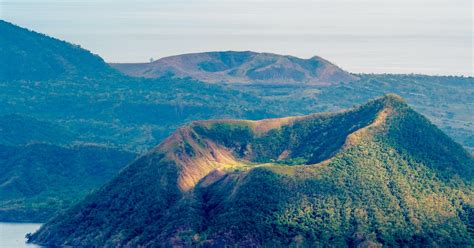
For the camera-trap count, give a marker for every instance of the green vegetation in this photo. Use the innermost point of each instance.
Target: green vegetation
(134, 114)
(386, 184)
(310, 140)
(45, 171)
(447, 101)
(38, 180)
(59, 95)
(58, 100)
(97, 105)
(22, 130)
(27, 55)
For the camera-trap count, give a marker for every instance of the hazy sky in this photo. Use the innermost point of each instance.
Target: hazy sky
(402, 36)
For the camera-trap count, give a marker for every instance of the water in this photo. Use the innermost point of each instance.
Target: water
(12, 235)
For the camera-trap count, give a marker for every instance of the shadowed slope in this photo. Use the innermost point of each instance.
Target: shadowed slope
(343, 179)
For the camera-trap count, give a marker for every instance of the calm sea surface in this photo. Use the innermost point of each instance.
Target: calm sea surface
(12, 235)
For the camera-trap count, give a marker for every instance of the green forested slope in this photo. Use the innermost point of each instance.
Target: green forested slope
(263, 184)
(57, 93)
(21, 130)
(38, 180)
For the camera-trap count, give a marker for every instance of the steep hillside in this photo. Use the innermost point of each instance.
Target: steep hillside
(27, 55)
(39, 180)
(379, 174)
(241, 67)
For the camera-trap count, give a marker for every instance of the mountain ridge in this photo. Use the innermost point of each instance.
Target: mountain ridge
(241, 67)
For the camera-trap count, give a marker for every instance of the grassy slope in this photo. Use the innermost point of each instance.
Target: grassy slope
(376, 189)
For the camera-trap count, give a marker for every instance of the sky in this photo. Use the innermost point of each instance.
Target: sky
(432, 37)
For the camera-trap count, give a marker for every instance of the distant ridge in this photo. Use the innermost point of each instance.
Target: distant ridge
(377, 175)
(241, 67)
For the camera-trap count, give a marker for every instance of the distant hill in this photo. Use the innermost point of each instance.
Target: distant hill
(377, 175)
(137, 113)
(93, 102)
(27, 55)
(241, 67)
(39, 180)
